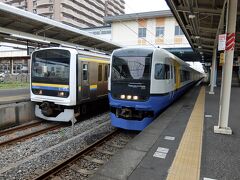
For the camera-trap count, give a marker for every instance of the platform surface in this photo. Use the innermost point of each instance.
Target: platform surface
(181, 144)
(8, 96)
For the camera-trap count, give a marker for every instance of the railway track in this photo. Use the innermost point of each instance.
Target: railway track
(73, 161)
(28, 135)
(19, 128)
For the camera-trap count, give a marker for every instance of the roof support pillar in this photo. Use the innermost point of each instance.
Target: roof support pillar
(227, 79)
(213, 71)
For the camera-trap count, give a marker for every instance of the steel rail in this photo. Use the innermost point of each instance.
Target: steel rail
(30, 135)
(20, 127)
(51, 172)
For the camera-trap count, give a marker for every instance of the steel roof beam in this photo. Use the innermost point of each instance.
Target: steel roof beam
(207, 50)
(77, 38)
(204, 45)
(220, 23)
(200, 10)
(29, 37)
(42, 29)
(205, 29)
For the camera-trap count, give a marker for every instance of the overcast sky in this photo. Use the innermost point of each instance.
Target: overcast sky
(134, 6)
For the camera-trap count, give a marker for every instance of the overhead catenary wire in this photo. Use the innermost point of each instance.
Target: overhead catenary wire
(140, 19)
(137, 32)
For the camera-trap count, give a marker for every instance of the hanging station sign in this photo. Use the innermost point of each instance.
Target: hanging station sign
(221, 42)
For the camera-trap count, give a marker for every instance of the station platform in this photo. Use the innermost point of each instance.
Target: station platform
(8, 96)
(181, 144)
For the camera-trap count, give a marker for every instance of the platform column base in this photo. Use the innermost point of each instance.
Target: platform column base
(211, 92)
(219, 130)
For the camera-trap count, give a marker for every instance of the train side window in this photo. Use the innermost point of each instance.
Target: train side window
(99, 72)
(171, 72)
(85, 72)
(106, 73)
(175, 74)
(162, 71)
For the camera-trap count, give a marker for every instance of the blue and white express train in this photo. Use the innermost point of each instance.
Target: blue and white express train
(142, 82)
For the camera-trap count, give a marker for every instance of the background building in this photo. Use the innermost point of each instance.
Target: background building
(78, 13)
(149, 28)
(14, 62)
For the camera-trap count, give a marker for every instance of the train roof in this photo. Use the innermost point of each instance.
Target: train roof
(147, 50)
(79, 51)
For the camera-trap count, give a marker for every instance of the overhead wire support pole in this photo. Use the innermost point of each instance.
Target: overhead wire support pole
(213, 68)
(227, 80)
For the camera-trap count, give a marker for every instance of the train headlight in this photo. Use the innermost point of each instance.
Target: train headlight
(61, 93)
(129, 97)
(122, 96)
(40, 92)
(135, 97)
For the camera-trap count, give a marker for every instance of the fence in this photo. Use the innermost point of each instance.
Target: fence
(14, 78)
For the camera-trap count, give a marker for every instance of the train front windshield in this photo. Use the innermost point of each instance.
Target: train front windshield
(51, 66)
(130, 78)
(50, 72)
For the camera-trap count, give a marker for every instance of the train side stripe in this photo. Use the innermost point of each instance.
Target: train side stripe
(94, 60)
(50, 85)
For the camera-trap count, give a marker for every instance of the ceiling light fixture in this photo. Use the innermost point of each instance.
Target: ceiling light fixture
(191, 16)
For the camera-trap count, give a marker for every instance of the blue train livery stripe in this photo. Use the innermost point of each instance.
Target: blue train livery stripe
(155, 103)
(52, 87)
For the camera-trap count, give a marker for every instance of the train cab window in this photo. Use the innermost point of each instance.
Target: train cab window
(162, 71)
(99, 72)
(106, 73)
(85, 72)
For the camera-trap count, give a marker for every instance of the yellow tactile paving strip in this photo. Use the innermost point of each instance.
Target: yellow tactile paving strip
(187, 161)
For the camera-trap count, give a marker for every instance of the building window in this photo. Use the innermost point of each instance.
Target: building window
(178, 31)
(50, 8)
(142, 32)
(35, 11)
(159, 31)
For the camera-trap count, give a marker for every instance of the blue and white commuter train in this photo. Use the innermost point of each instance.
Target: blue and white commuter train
(66, 82)
(142, 82)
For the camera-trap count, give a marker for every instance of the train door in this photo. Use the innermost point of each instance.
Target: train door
(100, 80)
(105, 78)
(172, 79)
(85, 87)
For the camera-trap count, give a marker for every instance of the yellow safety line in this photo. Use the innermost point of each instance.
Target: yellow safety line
(187, 161)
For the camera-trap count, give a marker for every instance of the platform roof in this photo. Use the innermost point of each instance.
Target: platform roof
(202, 21)
(142, 15)
(17, 24)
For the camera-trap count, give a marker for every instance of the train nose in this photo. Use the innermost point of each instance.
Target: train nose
(46, 109)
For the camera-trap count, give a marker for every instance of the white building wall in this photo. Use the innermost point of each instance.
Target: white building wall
(151, 26)
(125, 33)
(169, 31)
